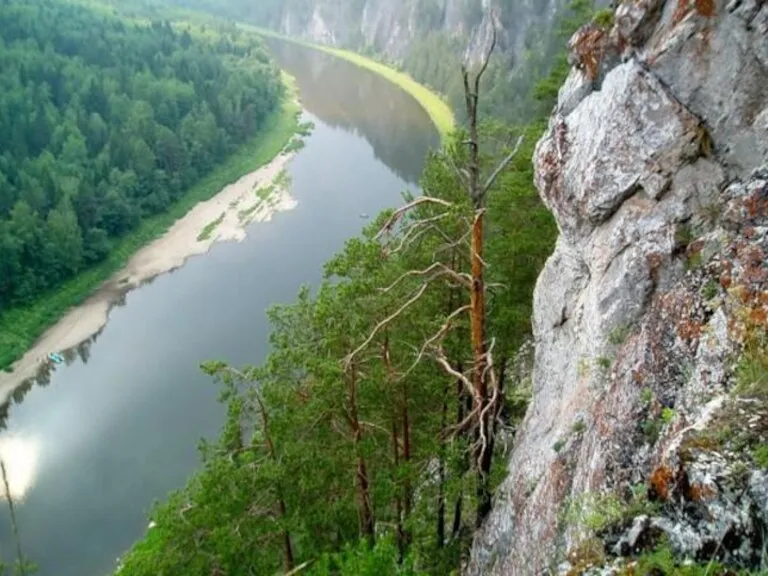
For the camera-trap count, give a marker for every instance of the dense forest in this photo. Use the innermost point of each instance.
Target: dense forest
(370, 440)
(105, 122)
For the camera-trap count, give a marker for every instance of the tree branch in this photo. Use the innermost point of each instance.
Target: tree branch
(451, 245)
(383, 323)
(423, 226)
(501, 167)
(437, 336)
(461, 174)
(487, 58)
(443, 361)
(299, 568)
(403, 209)
(483, 430)
(442, 269)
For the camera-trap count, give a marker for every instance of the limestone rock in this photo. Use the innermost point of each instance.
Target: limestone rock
(651, 168)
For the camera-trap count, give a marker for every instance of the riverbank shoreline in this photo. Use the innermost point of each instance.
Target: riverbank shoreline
(217, 209)
(433, 104)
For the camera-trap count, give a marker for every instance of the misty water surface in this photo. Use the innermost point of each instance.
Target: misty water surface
(117, 428)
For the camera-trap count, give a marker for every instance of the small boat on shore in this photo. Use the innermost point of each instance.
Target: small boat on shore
(56, 358)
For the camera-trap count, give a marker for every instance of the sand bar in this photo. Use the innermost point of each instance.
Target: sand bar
(226, 215)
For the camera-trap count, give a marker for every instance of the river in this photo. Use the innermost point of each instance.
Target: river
(115, 429)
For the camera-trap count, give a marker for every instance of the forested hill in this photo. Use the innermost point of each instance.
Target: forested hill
(430, 38)
(104, 123)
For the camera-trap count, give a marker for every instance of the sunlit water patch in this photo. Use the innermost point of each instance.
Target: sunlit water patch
(20, 455)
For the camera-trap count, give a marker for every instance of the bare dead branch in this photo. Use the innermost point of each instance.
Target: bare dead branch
(489, 359)
(374, 426)
(409, 238)
(465, 424)
(487, 58)
(443, 361)
(335, 426)
(439, 267)
(437, 336)
(461, 174)
(483, 430)
(451, 245)
(298, 568)
(384, 323)
(492, 374)
(182, 511)
(409, 274)
(389, 224)
(502, 166)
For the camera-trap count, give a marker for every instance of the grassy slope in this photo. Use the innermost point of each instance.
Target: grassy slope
(440, 113)
(20, 327)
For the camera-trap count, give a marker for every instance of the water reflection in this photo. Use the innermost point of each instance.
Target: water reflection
(46, 370)
(20, 455)
(346, 96)
(115, 427)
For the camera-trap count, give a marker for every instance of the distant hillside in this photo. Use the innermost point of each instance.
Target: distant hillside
(429, 38)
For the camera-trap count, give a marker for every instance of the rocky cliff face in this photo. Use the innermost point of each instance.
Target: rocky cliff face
(390, 26)
(650, 407)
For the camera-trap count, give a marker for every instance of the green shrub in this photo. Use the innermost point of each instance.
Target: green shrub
(362, 560)
(605, 18)
(760, 454)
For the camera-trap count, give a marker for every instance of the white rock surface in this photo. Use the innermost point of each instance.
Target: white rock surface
(636, 159)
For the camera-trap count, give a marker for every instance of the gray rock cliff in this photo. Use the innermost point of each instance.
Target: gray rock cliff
(657, 288)
(390, 26)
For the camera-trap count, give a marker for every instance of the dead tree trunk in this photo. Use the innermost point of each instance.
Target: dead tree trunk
(481, 386)
(486, 393)
(477, 312)
(484, 433)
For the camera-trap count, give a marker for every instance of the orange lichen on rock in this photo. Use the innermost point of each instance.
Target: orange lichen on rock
(756, 206)
(689, 330)
(699, 492)
(682, 10)
(661, 482)
(588, 47)
(704, 8)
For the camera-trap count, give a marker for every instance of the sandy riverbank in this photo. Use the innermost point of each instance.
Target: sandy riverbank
(255, 197)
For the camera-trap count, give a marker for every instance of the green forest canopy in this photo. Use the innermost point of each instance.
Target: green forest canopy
(316, 449)
(105, 122)
(301, 431)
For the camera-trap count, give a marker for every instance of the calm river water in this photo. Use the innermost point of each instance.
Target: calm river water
(117, 427)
